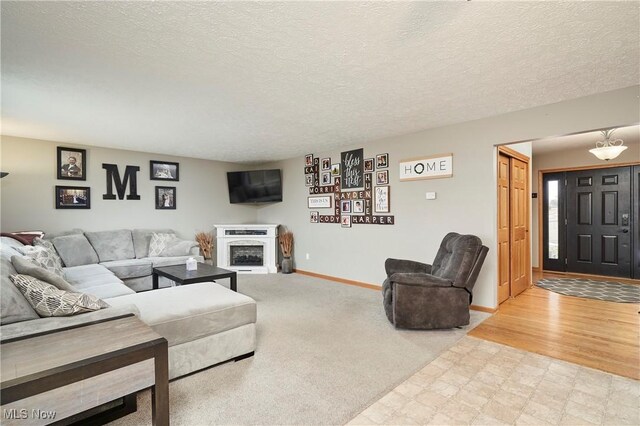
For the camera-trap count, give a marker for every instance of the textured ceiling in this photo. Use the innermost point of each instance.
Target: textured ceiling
(630, 135)
(259, 81)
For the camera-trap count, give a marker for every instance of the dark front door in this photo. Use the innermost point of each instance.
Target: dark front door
(599, 219)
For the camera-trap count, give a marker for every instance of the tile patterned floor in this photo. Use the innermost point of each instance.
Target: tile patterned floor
(484, 383)
(593, 289)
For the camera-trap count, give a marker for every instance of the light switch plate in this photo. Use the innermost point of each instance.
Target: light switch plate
(431, 195)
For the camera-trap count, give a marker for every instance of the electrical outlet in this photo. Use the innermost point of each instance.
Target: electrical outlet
(431, 195)
(307, 256)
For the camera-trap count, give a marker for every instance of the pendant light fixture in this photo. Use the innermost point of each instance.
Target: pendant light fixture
(608, 149)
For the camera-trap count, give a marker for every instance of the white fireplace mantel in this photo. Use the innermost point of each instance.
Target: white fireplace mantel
(265, 235)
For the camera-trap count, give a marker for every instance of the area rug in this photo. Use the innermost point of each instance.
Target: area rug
(325, 353)
(591, 289)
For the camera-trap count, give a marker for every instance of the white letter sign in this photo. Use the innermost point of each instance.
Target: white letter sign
(434, 167)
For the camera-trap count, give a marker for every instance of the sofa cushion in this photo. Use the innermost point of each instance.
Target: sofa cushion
(48, 301)
(13, 306)
(26, 266)
(186, 313)
(141, 239)
(79, 273)
(112, 245)
(129, 268)
(75, 250)
(96, 280)
(52, 235)
(106, 290)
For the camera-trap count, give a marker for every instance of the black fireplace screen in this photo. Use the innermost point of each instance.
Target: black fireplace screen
(247, 255)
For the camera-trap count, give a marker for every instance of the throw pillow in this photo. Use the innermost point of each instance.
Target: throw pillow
(159, 242)
(39, 242)
(48, 301)
(177, 247)
(26, 266)
(44, 258)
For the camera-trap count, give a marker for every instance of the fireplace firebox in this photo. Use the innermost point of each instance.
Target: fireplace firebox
(247, 255)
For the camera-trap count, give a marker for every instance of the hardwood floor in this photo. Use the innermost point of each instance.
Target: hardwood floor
(597, 334)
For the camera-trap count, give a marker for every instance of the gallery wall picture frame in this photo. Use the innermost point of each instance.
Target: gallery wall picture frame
(71, 163)
(382, 161)
(335, 169)
(314, 217)
(369, 165)
(308, 160)
(320, 202)
(381, 202)
(73, 197)
(358, 206)
(345, 206)
(345, 221)
(382, 177)
(166, 198)
(308, 179)
(164, 170)
(326, 164)
(326, 179)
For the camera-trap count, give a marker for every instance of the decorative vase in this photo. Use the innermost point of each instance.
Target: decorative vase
(287, 265)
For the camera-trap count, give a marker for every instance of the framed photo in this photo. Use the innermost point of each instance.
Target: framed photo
(319, 202)
(382, 161)
(358, 206)
(345, 221)
(73, 197)
(165, 197)
(72, 163)
(381, 199)
(345, 206)
(308, 160)
(369, 165)
(164, 170)
(335, 169)
(382, 177)
(326, 164)
(308, 179)
(314, 216)
(326, 178)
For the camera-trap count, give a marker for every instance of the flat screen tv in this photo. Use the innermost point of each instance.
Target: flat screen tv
(255, 186)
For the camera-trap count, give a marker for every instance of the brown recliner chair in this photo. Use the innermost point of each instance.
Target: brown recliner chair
(421, 296)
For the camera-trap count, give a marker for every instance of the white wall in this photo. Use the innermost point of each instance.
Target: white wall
(566, 158)
(466, 203)
(28, 200)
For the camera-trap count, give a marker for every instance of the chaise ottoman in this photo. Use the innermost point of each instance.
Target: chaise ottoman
(204, 323)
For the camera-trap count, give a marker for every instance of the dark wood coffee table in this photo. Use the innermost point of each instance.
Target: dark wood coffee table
(205, 272)
(55, 360)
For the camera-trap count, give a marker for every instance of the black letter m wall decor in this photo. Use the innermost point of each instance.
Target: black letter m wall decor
(130, 178)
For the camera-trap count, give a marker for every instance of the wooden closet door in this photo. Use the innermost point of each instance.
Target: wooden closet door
(520, 270)
(504, 212)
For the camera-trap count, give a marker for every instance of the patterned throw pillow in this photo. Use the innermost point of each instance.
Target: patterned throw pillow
(48, 301)
(45, 258)
(39, 242)
(159, 242)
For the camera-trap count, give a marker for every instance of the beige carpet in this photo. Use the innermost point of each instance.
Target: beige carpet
(325, 352)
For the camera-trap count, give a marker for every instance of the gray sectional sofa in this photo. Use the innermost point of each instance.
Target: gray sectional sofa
(204, 324)
(123, 252)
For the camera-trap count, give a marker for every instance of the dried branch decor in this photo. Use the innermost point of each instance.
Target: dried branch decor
(286, 243)
(205, 240)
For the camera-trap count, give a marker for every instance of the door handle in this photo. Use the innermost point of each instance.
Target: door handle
(625, 231)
